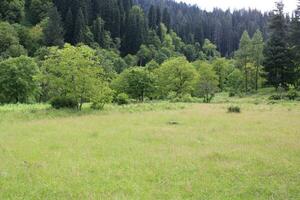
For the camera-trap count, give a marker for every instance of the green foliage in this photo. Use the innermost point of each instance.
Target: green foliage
(122, 99)
(12, 10)
(18, 80)
(210, 50)
(294, 37)
(38, 10)
(135, 31)
(131, 60)
(99, 31)
(31, 38)
(223, 68)
(292, 94)
(175, 75)
(82, 33)
(63, 102)
(103, 96)
(9, 42)
(207, 83)
(235, 82)
(53, 32)
(75, 72)
(257, 55)
(276, 97)
(243, 57)
(190, 52)
(144, 55)
(152, 65)
(278, 64)
(249, 58)
(166, 19)
(137, 82)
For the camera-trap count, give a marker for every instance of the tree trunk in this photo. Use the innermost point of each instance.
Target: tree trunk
(256, 78)
(246, 81)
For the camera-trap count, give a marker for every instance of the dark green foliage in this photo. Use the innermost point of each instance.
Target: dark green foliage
(278, 64)
(158, 16)
(190, 52)
(12, 10)
(166, 19)
(136, 30)
(99, 31)
(234, 109)
(224, 28)
(122, 99)
(69, 27)
(79, 28)
(152, 18)
(292, 94)
(275, 97)
(294, 37)
(54, 32)
(9, 41)
(64, 102)
(37, 10)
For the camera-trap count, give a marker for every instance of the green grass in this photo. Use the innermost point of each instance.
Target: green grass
(139, 152)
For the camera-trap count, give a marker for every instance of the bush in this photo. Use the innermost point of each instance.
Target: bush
(64, 102)
(122, 99)
(103, 96)
(292, 95)
(232, 94)
(234, 109)
(187, 98)
(97, 106)
(275, 97)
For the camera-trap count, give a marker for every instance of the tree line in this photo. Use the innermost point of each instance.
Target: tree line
(102, 51)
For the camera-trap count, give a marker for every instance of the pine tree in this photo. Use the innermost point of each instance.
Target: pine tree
(136, 31)
(243, 56)
(257, 54)
(278, 65)
(99, 31)
(158, 16)
(152, 18)
(295, 42)
(167, 19)
(54, 32)
(69, 27)
(79, 28)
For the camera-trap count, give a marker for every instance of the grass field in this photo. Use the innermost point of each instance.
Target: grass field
(134, 152)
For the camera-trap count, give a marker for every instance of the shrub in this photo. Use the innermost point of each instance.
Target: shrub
(275, 97)
(122, 99)
(232, 94)
(292, 95)
(64, 102)
(103, 96)
(97, 106)
(234, 109)
(187, 98)
(171, 96)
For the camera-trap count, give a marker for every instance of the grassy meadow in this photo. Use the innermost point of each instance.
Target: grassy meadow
(152, 151)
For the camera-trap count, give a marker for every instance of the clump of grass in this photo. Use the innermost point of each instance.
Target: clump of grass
(234, 109)
(173, 123)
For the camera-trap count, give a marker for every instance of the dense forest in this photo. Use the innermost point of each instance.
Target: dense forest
(100, 51)
(223, 28)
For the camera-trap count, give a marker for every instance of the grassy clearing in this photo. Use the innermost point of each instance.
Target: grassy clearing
(138, 152)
